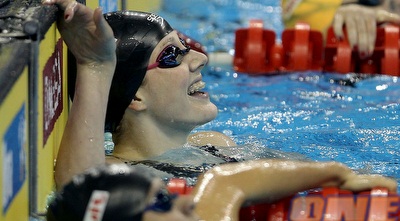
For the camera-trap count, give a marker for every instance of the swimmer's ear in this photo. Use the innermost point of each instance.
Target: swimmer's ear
(137, 104)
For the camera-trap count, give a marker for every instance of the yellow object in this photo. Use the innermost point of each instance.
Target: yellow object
(53, 109)
(92, 4)
(52, 113)
(14, 111)
(138, 5)
(317, 13)
(144, 5)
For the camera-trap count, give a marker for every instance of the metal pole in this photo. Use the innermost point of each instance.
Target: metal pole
(33, 100)
(123, 4)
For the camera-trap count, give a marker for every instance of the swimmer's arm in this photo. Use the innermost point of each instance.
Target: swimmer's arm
(83, 138)
(221, 191)
(210, 138)
(91, 40)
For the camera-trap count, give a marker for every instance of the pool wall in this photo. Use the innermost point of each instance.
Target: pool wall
(34, 106)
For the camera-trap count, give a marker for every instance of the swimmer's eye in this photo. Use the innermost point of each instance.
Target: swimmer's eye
(170, 57)
(163, 202)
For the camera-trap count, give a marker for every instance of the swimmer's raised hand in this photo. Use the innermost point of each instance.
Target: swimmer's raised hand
(85, 31)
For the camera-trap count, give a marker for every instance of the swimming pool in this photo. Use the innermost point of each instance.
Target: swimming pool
(309, 113)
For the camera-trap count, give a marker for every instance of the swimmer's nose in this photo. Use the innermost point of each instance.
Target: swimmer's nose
(197, 60)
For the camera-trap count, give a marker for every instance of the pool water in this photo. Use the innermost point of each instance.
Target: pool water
(310, 113)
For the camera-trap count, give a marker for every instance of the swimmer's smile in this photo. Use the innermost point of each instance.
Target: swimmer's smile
(195, 89)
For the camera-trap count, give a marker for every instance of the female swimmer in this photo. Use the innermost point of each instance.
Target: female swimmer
(91, 40)
(155, 98)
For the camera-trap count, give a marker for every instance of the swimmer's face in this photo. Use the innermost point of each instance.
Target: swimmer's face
(177, 209)
(174, 95)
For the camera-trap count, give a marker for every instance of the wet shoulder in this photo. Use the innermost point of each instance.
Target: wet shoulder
(214, 138)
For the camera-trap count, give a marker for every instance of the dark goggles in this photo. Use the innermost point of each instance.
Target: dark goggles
(163, 202)
(170, 57)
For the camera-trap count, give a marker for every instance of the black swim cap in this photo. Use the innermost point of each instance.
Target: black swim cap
(126, 189)
(137, 34)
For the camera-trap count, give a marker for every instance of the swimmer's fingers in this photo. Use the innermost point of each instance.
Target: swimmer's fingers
(367, 28)
(69, 7)
(360, 24)
(345, 17)
(102, 27)
(367, 182)
(105, 37)
(351, 29)
(338, 23)
(385, 16)
(70, 10)
(366, 33)
(371, 30)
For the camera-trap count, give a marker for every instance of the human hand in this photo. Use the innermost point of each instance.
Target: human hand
(356, 182)
(360, 22)
(86, 32)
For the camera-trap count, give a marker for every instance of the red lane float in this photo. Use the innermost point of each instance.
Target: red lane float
(339, 57)
(258, 52)
(303, 48)
(254, 52)
(327, 204)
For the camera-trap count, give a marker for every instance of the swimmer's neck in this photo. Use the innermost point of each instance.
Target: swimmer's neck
(140, 149)
(143, 143)
(143, 135)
